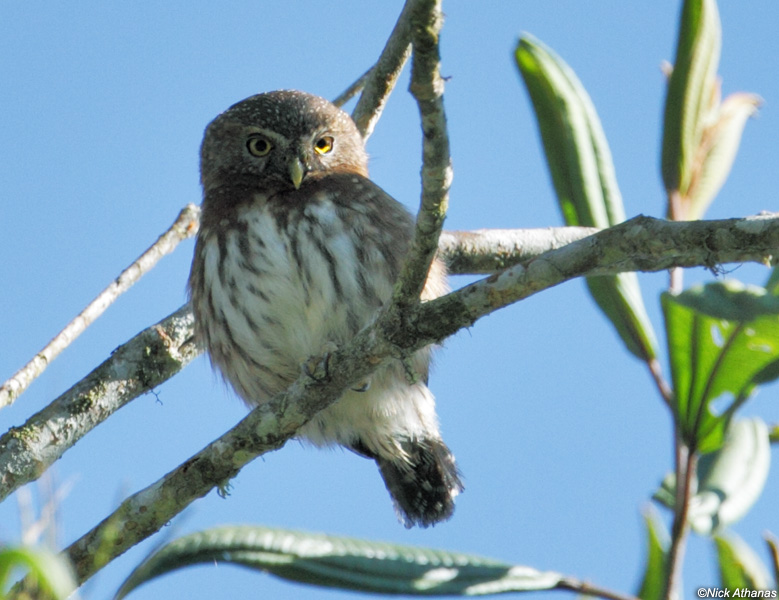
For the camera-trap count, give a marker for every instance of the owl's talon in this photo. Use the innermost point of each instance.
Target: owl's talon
(318, 367)
(364, 386)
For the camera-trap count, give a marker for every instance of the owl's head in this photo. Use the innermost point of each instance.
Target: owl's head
(279, 141)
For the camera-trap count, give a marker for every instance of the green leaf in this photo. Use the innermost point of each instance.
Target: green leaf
(583, 175)
(344, 563)
(739, 566)
(576, 149)
(692, 92)
(723, 339)
(731, 479)
(50, 570)
(656, 571)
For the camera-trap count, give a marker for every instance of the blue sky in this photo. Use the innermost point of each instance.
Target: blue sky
(559, 433)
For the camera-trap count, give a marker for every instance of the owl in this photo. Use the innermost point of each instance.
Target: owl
(297, 250)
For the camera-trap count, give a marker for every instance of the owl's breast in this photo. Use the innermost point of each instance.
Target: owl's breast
(275, 289)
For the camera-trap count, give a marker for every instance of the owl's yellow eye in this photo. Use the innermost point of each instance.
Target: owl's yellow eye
(258, 146)
(324, 145)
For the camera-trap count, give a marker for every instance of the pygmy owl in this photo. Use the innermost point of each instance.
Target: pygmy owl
(298, 249)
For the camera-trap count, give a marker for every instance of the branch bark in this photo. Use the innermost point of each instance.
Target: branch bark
(427, 87)
(484, 251)
(640, 244)
(151, 357)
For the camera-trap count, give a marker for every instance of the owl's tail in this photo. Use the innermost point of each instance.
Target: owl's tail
(423, 484)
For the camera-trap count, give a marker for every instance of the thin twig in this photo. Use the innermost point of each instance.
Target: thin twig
(586, 589)
(185, 226)
(383, 76)
(686, 460)
(352, 90)
(427, 87)
(655, 370)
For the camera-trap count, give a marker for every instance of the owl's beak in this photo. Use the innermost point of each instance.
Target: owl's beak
(296, 172)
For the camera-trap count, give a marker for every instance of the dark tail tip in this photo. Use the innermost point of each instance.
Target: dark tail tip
(424, 485)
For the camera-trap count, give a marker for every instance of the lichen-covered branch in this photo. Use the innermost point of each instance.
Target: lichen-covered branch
(185, 226)
(640, 244)
(133, 369)
(427, 87)
(485, 251)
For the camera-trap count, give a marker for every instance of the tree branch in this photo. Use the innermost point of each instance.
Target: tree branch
(352, 90)
(686, 461)
(639, 244)
(485, 251)
(383, 76)
(151, 357)
(186, 225)
(427, 87)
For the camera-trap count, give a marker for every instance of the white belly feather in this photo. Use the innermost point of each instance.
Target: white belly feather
(280, 315)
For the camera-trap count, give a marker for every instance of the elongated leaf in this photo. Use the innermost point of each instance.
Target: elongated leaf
(731, 479)
(576, 149)
(51, 572)
(656, 570)
(344, 563)
(692, 91)
(718, 151)
(583, 175)
(739, 566)
(723, 339)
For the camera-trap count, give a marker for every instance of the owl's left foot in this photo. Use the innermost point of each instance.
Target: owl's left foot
(318, 367)
(363, 386)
